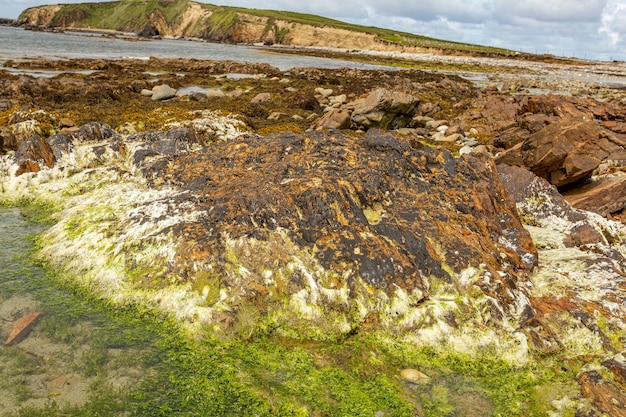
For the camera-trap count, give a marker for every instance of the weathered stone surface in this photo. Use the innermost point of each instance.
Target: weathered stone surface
(606, 396)
(563, 152)
(162, 92)
(373, 209)
(35, 149)
(60, 144)
(578, 286)
(385, 109)
(261, 98)
(334, 119)
(22, 327)
(95, 132)
(605, 195)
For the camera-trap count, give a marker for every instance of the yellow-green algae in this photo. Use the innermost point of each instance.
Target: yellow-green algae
(299, 357)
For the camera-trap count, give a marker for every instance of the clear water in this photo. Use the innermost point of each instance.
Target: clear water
(17, 43)
(76, 357)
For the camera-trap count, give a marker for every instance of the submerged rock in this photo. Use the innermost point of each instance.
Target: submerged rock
(22, 327)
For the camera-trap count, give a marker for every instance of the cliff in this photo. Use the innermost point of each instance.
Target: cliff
(188, 19)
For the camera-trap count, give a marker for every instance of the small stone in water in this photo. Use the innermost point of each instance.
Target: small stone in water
(414, 376)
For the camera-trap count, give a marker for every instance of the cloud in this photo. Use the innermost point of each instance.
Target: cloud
(548, 10)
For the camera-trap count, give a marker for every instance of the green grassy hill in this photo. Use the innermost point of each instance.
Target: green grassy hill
(185, 18)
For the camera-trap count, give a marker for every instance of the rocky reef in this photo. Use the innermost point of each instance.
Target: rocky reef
(324, 205)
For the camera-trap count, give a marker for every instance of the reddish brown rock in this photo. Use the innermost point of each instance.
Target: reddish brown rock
(606, 396)
(604, 196)
(374, 208)
(618, 369)
(32, 154)
(334, 119)
(22, 327)
(563, 152)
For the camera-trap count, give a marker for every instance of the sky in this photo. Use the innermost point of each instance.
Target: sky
(593, 29)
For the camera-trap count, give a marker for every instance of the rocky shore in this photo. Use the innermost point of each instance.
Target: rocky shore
(455, 211)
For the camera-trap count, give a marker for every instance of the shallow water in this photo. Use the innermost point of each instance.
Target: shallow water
(76, 357)
(18, 44)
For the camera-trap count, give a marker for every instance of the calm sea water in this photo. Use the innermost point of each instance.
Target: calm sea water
(17, 43)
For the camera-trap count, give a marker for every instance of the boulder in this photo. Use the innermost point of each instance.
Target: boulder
(36, 150)
(163, 92)
(385, 109)
(604, 195)
(604, 394)
(95, 132)
(563, 153)
(328, 209)
(334, 119)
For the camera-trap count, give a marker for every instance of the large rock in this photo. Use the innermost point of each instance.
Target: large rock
(563, 152)
(325, 211)
(33, 154)
(604, 195)
(385, 109)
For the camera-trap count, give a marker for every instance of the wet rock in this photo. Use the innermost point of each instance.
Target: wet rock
(385, 109)
(95, 132)
(163, 92)
(22, 327)
(370, 208)
(605, 195)
(618, 369)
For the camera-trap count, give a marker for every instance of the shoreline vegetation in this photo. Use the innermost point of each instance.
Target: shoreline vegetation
(331, 242)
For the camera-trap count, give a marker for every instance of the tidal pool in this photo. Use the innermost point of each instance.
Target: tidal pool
(78, 359)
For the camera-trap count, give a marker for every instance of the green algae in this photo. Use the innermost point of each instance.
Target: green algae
(258, 373)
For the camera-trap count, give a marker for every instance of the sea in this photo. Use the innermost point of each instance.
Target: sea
(19, 44)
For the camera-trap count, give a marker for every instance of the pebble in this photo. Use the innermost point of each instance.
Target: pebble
(414, 376)
(261, 98)
(324, 91)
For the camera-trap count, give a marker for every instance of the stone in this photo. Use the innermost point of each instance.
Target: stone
(420, 121)
(606, 396)
(261, 98)
(95, 132)
(334, 119)
(22, 327)
(162, 92)
(414, 376)
(563, 153)
(385, 109)
(327, 193)
(276, 115)
(37, 150)
(324, 92)
(604, 195)
(60, 144)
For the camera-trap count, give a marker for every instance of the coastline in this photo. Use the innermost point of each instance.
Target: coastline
(133, 183)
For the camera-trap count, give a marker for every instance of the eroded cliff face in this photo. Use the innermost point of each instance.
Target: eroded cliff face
(196, 21)
(39, 16)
